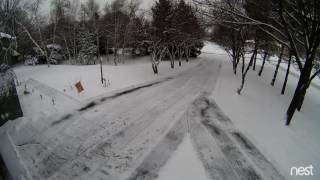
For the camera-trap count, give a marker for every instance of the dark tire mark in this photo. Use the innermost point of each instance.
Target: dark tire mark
(232, 153)
(132, 90)
(88, 106)
(64, 118)
(233, 143)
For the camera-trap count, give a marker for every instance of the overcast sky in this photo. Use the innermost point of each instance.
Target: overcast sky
(145, 4)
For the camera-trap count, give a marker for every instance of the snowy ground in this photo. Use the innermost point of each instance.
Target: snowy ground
(184, 164)
(112, 135)
(64, 77)
(260, 113)
(144, 132)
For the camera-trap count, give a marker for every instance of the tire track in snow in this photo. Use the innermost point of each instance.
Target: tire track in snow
(246, 160)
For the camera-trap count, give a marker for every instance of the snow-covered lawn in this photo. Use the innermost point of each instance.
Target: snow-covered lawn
(259, 112)
(64, 77)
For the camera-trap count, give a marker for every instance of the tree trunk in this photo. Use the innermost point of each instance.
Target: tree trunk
(300, 91)
(255, 52)
(234, 63)
(245, 73)
(101, 73)
(115, 53)
(243, 63)
(293, 106)
(263, 62)
(180, 56)
(308, 69)
(107, 50)
(254, 62)
(277, 67)
(287, 74)
(172, 57)
(155, 68)
(234, 53)
(187, 54)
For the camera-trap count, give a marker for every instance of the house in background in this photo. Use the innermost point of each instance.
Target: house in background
(55, 55)
(8, 53)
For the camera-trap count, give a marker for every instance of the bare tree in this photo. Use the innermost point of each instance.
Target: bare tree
(158, 52)
(293, 24)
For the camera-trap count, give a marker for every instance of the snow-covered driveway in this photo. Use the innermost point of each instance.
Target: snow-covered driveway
(132, 135)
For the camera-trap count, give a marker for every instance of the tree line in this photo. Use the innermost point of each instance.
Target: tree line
(86, 31)
(290, 28)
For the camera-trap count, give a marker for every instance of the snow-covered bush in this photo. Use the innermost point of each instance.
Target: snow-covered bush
(55, 53)
(31, 60)
(7, 78)
(10, 106)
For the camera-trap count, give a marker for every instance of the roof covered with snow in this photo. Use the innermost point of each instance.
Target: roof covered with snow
(4, 35)
(54, 46)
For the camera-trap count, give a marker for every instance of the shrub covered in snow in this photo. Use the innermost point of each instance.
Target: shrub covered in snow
(7, 77)
(10, 106)
(55, 53)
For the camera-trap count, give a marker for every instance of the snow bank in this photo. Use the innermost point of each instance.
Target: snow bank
(260, 114)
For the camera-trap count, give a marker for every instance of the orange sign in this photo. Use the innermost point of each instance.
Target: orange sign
(79, 87)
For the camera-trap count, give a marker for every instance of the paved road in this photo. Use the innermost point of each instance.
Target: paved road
(132, 135)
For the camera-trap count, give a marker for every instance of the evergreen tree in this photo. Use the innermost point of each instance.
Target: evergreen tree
(188, 27)
(162, 22)
(87, 47)
(186, 21)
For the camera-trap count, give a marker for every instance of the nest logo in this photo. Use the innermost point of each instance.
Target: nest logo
(301, 171)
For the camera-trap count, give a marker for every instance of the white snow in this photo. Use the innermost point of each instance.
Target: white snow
(54, 46)
(4, 35)
(211, 48)
(259, 112)
(64, 77)
(184, 164)
(86, 131)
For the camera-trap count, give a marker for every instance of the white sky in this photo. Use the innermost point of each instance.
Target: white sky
(145, 4)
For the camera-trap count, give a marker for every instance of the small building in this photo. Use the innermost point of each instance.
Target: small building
(142, 48)
(10, 108)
